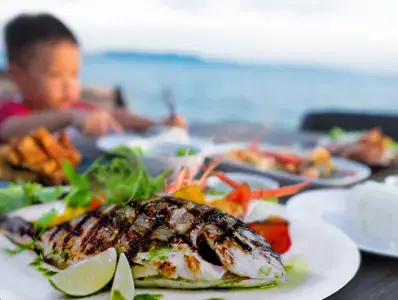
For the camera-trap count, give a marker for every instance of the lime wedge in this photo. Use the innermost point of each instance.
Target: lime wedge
(88, 276)
(123, 284)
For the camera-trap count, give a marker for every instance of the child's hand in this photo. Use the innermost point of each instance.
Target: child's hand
(175, 120)
(96, 123)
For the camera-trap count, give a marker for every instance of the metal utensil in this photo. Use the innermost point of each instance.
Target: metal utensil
(168, 100)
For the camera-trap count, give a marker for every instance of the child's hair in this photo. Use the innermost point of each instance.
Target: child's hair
(26, 31)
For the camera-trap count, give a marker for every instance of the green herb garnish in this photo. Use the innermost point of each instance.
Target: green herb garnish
(50, 195)
(335, 132)
(393, 145)
(37, 264)
(148, 297)
(186, 151)
(78, 181)
(20, 248)
(122, 179)
(16, 196)
(273, 200)
(128, 151)
(159, 253)
(46, 219)
(27, 246)
(215, 192)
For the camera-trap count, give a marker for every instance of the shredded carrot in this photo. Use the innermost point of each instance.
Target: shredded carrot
(240, 195)
(224, 178)
(281, 192)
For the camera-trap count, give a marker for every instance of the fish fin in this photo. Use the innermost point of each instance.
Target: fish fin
(18, 229)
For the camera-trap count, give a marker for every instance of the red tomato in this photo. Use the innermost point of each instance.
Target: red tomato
(275, 230)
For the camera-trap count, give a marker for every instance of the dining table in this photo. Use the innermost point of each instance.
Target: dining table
(377, 277)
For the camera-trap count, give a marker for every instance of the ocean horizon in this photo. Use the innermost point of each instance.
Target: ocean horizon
(209, 90)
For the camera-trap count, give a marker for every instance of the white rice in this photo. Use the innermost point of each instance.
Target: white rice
(372, 214)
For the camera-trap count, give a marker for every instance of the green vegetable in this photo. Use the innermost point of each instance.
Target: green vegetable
(186, 151)
(37, 264)
(123, 179)
(128, 151)
(391, 144)
(215, 192)
(159, 253)
(20, 248)
(273, 200)
(75, 179)
(148, 297)
(17, 196)
(335, 132)
(46, 219)
(79, 198)
(51, 195)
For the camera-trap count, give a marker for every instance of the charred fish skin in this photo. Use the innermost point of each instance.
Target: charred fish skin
(169, 242)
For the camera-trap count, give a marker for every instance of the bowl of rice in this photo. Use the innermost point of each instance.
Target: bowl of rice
(371, 211)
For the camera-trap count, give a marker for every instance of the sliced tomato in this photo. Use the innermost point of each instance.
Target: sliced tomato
(95, 203)
(275, 230)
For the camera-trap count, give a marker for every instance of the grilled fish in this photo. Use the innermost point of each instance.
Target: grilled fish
(169, 242)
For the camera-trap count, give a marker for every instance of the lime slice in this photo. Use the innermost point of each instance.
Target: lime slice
(88, 276)
(123, 284)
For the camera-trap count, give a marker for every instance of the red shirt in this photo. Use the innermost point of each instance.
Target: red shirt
(12, 108)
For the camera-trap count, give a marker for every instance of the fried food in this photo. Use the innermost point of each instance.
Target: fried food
(372, 148)
(38, 157)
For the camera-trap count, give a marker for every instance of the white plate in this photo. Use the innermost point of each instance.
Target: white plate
(328, 205)
(332, 259)
(177, 135)
(361, 172)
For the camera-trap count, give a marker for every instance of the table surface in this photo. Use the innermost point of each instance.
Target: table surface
(377, 277)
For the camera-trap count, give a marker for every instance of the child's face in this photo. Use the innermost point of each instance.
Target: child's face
(50, 80)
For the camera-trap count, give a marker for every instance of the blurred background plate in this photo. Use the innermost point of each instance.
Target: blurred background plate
(356, 172)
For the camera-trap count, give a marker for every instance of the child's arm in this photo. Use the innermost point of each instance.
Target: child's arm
(139, 123)
(96, 123)
(19, 125)
(132, 121)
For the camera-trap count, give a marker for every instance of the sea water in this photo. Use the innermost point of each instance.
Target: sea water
(277, 95)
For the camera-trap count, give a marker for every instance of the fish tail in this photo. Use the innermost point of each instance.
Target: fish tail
(17, 229)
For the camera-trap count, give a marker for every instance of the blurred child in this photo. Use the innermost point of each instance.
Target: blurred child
(44, 63)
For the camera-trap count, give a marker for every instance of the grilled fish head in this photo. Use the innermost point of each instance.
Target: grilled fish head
(202, 243)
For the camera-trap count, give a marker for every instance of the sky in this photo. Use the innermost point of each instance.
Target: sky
(344, 33)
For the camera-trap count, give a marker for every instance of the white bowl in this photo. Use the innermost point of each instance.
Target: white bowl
(159, 156)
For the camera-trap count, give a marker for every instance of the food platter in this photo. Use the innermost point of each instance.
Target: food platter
(356, 172)
(372, 147)
(120, 207)
(312, 278)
